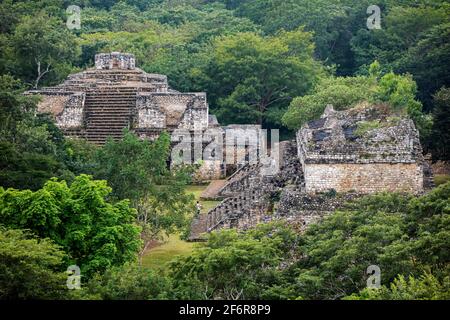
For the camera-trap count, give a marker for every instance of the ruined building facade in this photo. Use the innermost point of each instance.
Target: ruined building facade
(337, 158)
(339, 152)
(340, 156)
(102, 101)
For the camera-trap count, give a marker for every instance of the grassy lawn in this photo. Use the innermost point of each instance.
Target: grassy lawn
(158, 257)
(197, 192)
(441, 179)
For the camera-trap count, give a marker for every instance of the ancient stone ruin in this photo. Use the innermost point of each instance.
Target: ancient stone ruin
(102, 101)
(338, 157)
(341, 156)
(115, 95)
(362, 150)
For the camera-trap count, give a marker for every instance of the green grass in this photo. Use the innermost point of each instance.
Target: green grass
(366, 126)
(158, 257)
(197, 192)
(441, 179)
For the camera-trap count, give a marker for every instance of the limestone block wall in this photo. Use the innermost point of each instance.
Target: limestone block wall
(115, 60)
(72, 114)
(53, 103)
(194, 119)
(172, 111)
(67, 107)
(364, 178)
(243, 211)
(209, 170)
(151, 118)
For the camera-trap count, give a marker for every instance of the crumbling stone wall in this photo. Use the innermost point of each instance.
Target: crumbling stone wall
(209, 170)
(53, 104)
(66, 107)
(330, 163)
(242, 211)
(72, 115)
(336, 154)
(364, 178)
(115, 60)
(172, 111)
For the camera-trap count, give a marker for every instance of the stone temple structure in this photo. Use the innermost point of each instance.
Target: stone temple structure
(102, 101)
(341, 156)
(337, 152)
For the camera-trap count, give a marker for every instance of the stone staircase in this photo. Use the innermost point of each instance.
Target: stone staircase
(199, 228)
(212, 191)
(109, 110)
(250, 197)
(239, 180)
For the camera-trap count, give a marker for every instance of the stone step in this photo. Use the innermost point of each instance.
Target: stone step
(95, 136)
(110, 101)
(108, 111)
(111, 88)
(111, 104)
(122, 119)
(110, 98)
(99, 135)
(108, 125)
(109, 107)
(110, 120)
(212, 191)
(198, 228)
(117, 91)
(113, 92)
(109, 116)
(105, 131)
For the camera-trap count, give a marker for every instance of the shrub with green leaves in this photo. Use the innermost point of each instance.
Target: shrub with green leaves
(95, 233)
(234, 265)
(30, 268)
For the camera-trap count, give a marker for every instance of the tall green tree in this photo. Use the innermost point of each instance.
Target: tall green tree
(43, 48)
(252, 79)
(137, 169)
(440, 135)
(30, 268)
(413, 39)
(95, 233)
(397, 91)
(31, 145)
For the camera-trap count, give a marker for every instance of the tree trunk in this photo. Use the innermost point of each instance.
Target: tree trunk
(40, 73)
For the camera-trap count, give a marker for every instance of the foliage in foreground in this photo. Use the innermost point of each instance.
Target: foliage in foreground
(425, 287)
(30, 268)
(403, 235)
(95, 233)
(128, 282)
(236, 266)
(407, 237)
